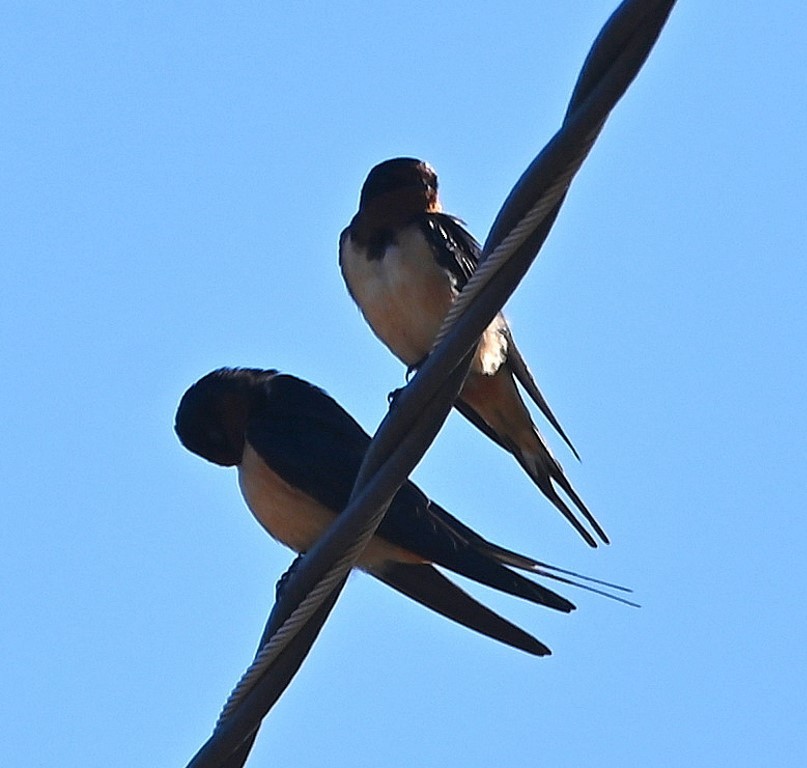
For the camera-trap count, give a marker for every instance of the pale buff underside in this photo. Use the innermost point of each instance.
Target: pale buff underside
(294, 518)
(405, 295)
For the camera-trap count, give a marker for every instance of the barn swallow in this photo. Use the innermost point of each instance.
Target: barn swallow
(404, 262)
(298, 453)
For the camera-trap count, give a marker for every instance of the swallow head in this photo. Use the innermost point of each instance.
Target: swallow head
(212, 416)
(403, 184)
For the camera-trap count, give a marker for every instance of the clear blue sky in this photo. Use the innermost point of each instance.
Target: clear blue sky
(174, 180)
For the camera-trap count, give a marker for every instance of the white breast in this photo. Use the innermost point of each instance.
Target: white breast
(287, 514)
(294, 518)
(404, 296)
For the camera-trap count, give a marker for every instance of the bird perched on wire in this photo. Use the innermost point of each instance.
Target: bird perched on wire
(298, 453)
(404, 262)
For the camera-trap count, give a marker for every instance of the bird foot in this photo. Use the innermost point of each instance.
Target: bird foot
(283, 580)
(411, 370)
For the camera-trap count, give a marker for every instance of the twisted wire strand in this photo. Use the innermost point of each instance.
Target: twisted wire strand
(505, 249)
(298, 618)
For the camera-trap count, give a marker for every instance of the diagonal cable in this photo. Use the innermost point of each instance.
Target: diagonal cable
(420, 409)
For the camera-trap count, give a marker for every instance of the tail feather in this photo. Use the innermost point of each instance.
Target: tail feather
(547, 571)
(426, 585)
(515, 560)
(545, 470)
(493, 404)
(479, 566)
(520, 370)
(468, 545)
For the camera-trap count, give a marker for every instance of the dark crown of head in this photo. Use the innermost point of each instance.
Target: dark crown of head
(396, 174)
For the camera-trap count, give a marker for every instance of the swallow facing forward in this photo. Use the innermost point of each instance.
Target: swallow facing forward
(298, 453)
(405, 261)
